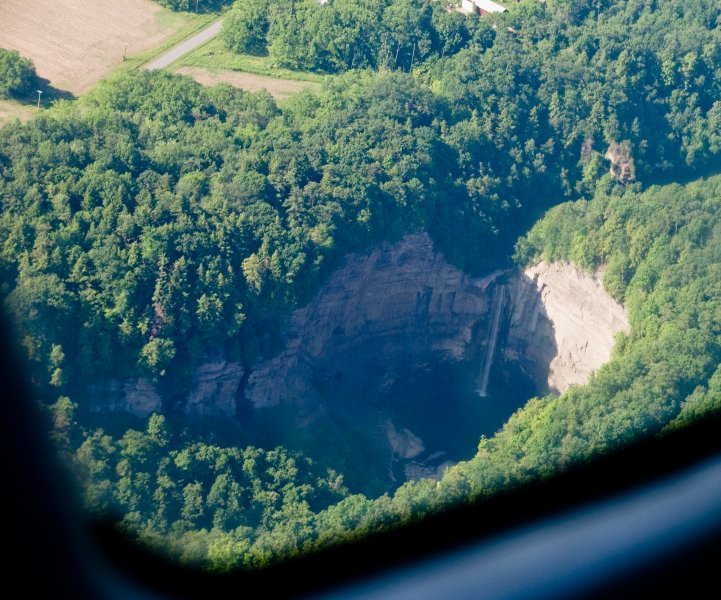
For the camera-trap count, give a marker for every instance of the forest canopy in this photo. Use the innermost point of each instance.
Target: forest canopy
(154, 221)
(339, 35)
(17, 74)
(155, 214)
(194, 5)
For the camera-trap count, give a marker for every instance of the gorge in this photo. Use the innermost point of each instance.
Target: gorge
(400, 362)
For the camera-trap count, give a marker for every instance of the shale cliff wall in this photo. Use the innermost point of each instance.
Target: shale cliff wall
(399, 306)
(213, 391)
(396, 310)
(382, 313)
(561, 307)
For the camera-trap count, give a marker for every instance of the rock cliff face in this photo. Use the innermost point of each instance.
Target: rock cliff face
(563, 308)
(400, 310)
(389, 311)
(213, 390)
(401, 305)
(622, 167)
(136, 396)
(401, 353)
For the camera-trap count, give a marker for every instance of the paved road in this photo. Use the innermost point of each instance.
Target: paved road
(187, 46)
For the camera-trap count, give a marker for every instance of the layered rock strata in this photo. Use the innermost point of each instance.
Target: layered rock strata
(401, 305)
(562, 324)
(213, 392)
(137, 396)
(401, 308)
(391, 310)
(397, 310)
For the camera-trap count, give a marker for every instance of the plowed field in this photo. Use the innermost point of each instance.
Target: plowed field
(74, 43)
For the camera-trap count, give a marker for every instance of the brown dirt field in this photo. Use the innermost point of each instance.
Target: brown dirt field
(74, 43)
(278, 88)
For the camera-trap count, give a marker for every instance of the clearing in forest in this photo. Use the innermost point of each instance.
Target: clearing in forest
(11, 109)
(75, 43)
(213, 63)
(250, 82)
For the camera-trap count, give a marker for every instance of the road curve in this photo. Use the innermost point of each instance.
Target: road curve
(187, 46)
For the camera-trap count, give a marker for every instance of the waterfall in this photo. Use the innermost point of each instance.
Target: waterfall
(499, 296)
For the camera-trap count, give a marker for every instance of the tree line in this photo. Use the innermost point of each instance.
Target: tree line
(194, 5)
(17, 75)
(339, 35)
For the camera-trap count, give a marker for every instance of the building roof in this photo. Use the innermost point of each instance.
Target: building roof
(489, 6)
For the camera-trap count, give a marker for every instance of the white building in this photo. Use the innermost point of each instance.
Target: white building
(482, 7)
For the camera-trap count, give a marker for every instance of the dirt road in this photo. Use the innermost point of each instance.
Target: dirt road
(187, 46)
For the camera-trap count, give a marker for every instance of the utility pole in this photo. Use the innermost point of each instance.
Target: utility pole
(125, 52)
(40, 92)
(196, 6)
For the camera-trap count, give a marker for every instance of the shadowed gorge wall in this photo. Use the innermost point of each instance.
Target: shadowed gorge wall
(401, 362)
(403, 353)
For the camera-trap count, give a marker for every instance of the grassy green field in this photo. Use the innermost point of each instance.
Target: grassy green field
(12, 109)
(214, 57)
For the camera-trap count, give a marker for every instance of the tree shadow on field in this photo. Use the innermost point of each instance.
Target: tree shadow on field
(51, 93)
(48, 97)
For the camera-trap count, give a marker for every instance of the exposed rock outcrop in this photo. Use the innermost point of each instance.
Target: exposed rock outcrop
(393, 309)
(563, 308)
(214, 388)
(136, 396)
(401, 308)
(403, 443)
(213, 392)
(622, 165)
(433, 467)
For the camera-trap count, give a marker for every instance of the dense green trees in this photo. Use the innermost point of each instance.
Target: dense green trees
(344, 34)
(17, 74)
(193, 5)
(226, 507)
(160, 214)
(246, 26)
